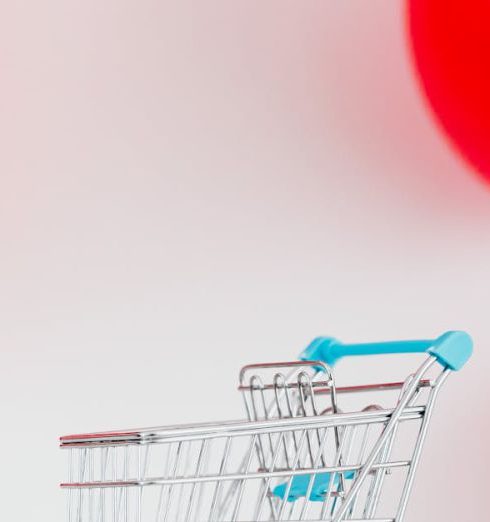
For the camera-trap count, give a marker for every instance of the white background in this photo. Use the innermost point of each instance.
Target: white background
(186, 188)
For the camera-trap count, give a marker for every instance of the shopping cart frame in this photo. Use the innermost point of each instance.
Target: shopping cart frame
(451, 351)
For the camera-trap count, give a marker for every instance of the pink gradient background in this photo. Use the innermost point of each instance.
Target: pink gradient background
(188, 187)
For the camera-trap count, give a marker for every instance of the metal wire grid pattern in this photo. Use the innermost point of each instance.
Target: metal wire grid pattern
(285, 464)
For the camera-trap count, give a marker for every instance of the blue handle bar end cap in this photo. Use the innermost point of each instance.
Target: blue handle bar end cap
(321, 349)
(452, 349)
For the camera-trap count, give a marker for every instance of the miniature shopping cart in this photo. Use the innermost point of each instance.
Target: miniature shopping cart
(307, 451)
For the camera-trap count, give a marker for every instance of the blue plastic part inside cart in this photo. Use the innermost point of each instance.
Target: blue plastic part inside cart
(301, 483)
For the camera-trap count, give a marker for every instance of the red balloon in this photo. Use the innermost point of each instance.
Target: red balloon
(451, 47)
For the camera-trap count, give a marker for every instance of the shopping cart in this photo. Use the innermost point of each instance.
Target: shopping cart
(308, 451)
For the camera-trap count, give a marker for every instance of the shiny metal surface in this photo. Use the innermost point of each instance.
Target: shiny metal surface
(296, 432)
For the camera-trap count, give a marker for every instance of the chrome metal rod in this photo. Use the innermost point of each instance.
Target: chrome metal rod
(229, 477)
(236, 428)
(394, 419)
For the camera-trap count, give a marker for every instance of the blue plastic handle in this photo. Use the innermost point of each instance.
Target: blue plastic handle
(451, 349)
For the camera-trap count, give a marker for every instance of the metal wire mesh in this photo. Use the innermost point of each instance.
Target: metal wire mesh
(296, 457)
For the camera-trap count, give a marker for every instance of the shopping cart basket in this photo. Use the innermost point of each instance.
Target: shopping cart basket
(308, 451)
